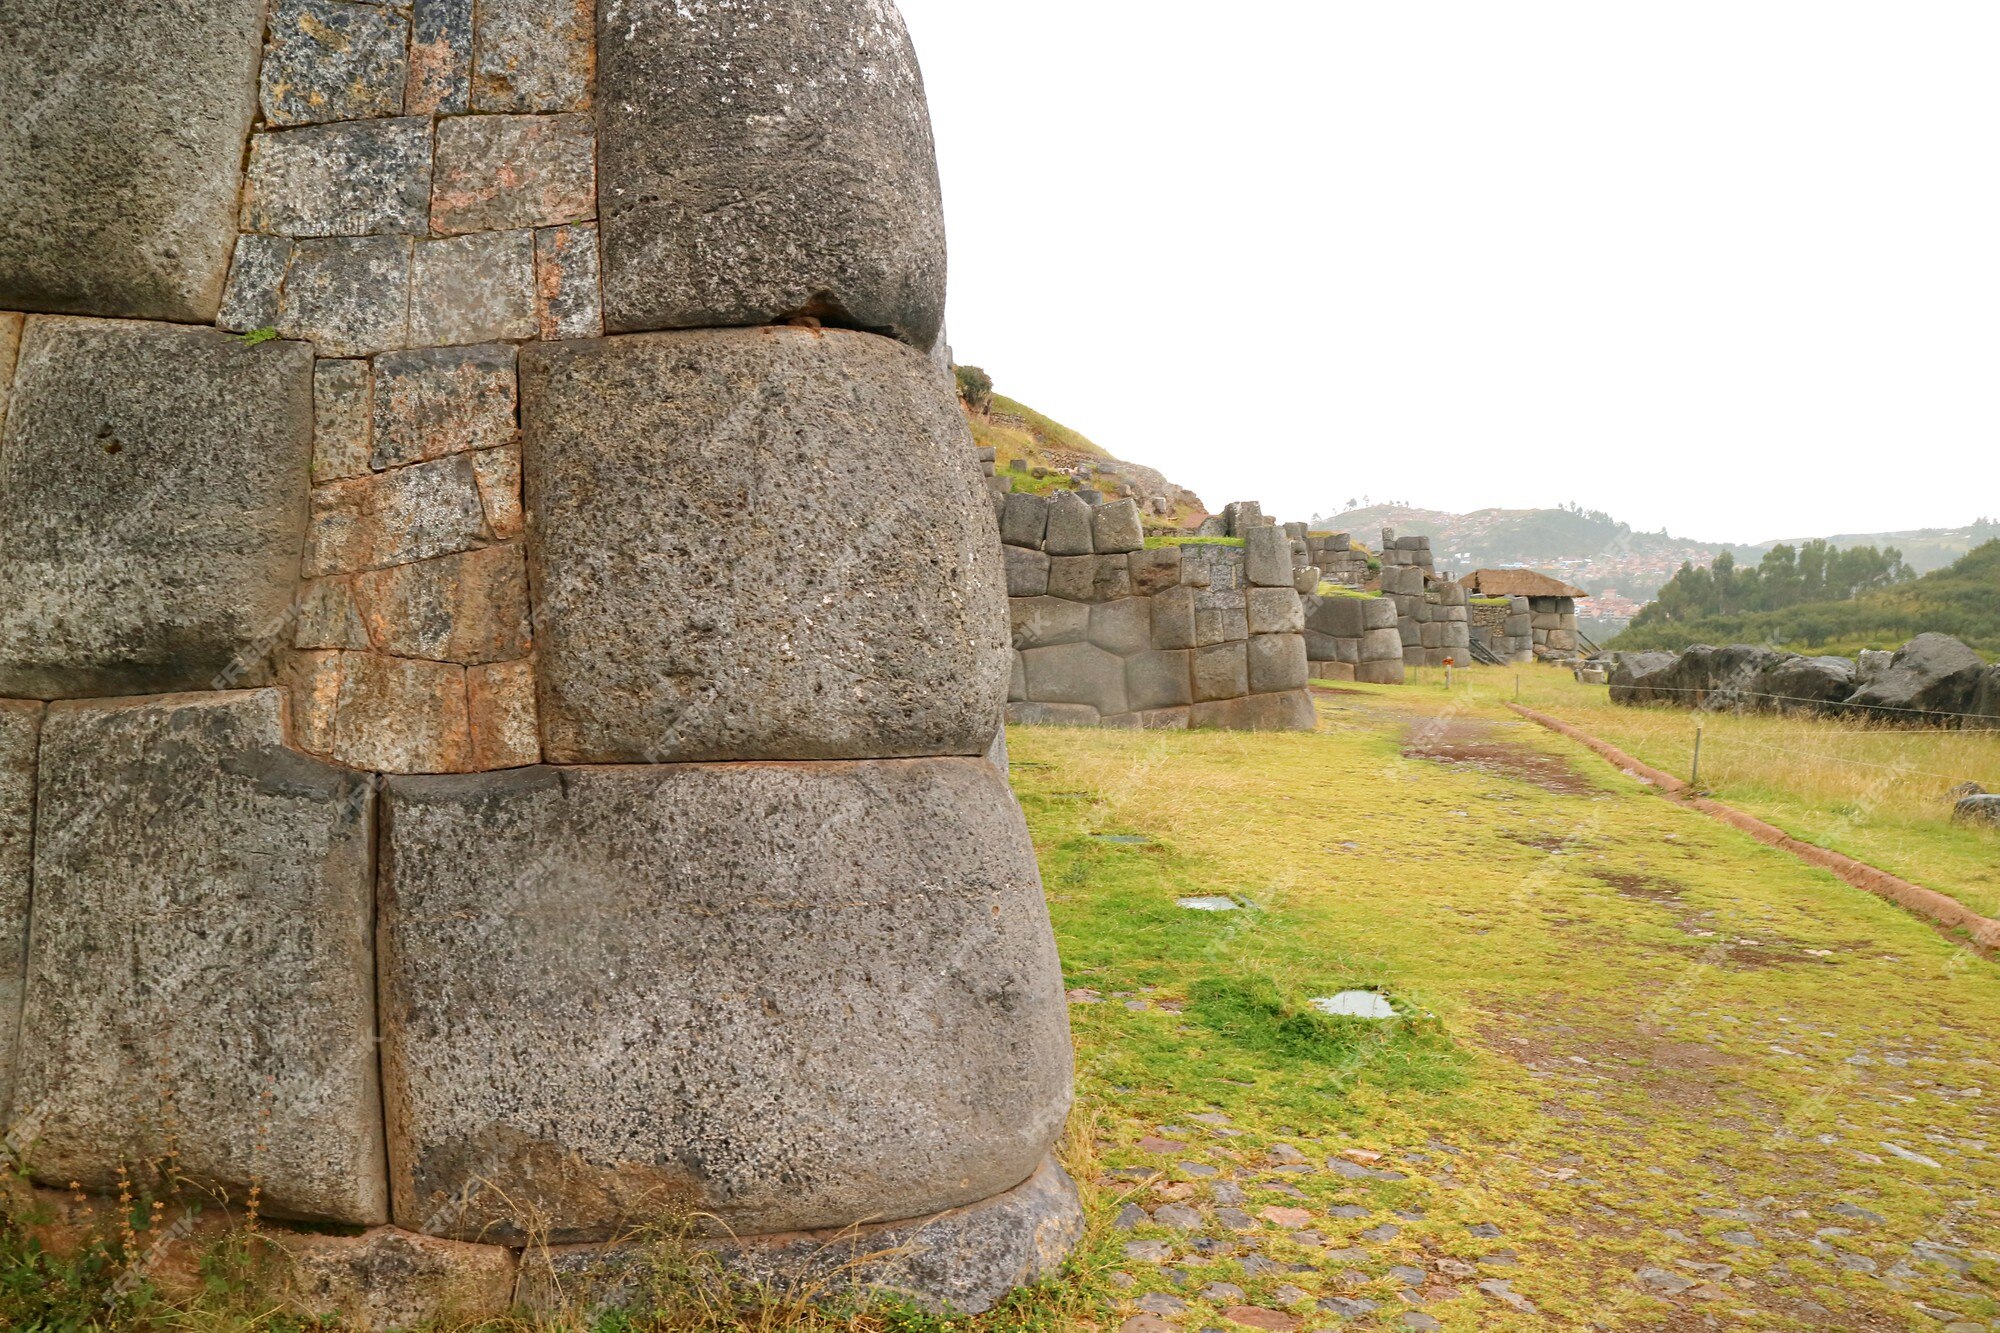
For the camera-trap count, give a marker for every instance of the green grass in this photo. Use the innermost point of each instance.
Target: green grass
(1162, 542)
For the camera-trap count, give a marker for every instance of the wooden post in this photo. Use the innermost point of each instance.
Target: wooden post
(1694, 781)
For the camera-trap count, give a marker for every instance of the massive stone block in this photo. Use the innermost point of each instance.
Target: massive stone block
(605, 990)
(152, 507)
(1043, 622)
(1076, 673)
(211, 994)
(672, 480)
(761, 161)
(20, 733)
(121, 153)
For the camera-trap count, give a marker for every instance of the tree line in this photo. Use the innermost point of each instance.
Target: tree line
(1787, 576)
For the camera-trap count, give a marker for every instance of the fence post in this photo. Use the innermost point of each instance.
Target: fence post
(1694, 781)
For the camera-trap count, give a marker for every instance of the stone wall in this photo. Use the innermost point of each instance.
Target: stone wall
(1552, 622)
(1504, 626)
(1337, 559)
(378, 683)
(1109, 633)
(1432, 615)
(1354, 637)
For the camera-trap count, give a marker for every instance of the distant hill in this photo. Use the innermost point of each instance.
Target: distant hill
(1925, 549)
(1962, 600)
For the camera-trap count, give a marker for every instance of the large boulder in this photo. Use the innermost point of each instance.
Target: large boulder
(1933, 678)
(121, 153)
(763, 161)
(1736, 677)
(1988, 704)
(785, 996)
(201, 983)
(1633, 678)
(153, 501)
(1808, 684)
(719, 572)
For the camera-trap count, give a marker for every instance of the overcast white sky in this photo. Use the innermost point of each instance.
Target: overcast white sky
(1727, 266)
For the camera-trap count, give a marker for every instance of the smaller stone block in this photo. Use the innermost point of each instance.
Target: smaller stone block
(1115, 527)
(1076, 673)
(348, 296)
(533, 55)
(333, 60)
(1339, 672)
(1163, 719)
(1275, 611)
(342, 420)
(1051, 715)
(1024, 521)
(256, 282)
(358, 178)
(399, 715)
(1290, 711)
(1154, 572)
(1124, 626)
(443, 400)
(568, 298)
(329, 618)
(1267, 558)
(473, 289)
(1220, 616)
(1043, 622)
(1069, 526)
(1306, 580)
(498, 173)
(1072, 577)
(1111, 578)
(1174, 619)
(1378, 613)
(1017, 681)
(1221, 671)
(467, 608)
(506, 726)
(1389, 672)
(1382, 645)
(1158, 680)
(389, 1279)
(498, 474)
(1277, 663)
(440, 80)
(1027, 572)
(395, 518)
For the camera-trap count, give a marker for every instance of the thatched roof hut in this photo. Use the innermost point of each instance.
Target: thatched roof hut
(1517, 583)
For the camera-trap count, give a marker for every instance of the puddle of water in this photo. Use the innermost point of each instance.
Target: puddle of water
(1122, 839)
(1216, 904)
(1355, 1004)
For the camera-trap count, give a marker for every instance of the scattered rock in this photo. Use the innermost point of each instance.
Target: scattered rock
(1178, 1216)
(1156, 1302)
(1660, 1281)
(1506, 1295)
(1255, 1316)
(1222, 1293)
(1149, 1251)
(1287, 1217)
(1382, 1234)
(1130, 1216)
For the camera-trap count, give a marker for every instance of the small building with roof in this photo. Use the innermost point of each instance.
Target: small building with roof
(1522, 614)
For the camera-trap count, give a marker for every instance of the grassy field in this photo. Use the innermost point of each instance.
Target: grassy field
(1876, 793)
(1645, 1073)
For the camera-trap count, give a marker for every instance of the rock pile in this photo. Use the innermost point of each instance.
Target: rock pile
(376, 686)
(1934, 679)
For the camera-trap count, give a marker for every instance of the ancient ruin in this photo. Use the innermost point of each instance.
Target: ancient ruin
(1933, 680)
(486, 759)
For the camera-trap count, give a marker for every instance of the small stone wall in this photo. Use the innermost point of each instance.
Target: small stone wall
(1504, 626)
(1552, 622)
(1431, 614)
(1337, 560)
(1354, 638)
(1108, 633)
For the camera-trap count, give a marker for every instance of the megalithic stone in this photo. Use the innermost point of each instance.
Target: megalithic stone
(764, 161)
